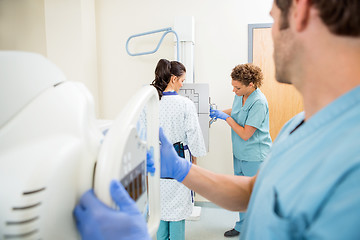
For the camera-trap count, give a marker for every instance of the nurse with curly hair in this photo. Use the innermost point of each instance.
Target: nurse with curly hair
(249, 122)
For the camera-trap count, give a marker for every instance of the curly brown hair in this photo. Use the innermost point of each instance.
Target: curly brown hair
(247, 73)
(341, 17)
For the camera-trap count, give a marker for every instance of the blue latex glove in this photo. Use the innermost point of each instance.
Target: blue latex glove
(218, 114)
(212, 113)
(172, 166)
(97, 221)
(150, 166)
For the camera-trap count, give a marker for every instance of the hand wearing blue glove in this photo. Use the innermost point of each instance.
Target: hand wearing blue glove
(218, 114)
(212, 113)
(172, 166)
(97, 221)
(150, 166)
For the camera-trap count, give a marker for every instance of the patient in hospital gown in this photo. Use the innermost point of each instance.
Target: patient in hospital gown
(179, 120)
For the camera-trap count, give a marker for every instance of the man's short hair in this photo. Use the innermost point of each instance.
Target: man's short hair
(342, 17)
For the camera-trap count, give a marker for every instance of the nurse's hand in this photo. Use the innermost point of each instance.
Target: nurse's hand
(218, 114)
(96, 221)
(172, 166)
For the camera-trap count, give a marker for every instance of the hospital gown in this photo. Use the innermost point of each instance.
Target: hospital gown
(180, 122)
(309, 186)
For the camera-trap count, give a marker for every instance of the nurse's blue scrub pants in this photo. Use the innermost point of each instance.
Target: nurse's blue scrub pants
(244, 168)
(171, 230)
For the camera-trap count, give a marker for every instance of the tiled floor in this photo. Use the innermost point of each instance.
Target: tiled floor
(212, 224)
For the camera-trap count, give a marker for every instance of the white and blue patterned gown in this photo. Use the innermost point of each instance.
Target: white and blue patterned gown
(179, 119)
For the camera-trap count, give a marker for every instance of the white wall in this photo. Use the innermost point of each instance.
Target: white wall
(22, 26)
(220, 44)
(61, 30)
(71, 40)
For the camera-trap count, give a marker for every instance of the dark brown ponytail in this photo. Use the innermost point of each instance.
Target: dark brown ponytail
(163, 71)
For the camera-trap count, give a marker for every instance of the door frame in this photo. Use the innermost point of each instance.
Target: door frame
(251, 28)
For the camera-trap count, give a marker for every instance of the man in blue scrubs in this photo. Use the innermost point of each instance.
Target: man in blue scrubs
(308, 187)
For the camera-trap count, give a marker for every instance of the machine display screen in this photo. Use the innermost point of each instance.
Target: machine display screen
(134, 182)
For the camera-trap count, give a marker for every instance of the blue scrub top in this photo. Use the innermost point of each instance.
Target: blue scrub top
(309, 186)
(255, 113)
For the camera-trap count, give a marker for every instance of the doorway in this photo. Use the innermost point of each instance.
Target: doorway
(284, 100)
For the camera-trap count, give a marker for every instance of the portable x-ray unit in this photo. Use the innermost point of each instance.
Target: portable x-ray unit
(52, 150)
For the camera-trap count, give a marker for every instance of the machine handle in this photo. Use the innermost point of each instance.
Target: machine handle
(165, 30)
(110, 156)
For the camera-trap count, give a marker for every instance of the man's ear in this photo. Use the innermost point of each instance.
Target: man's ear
(301, 14)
